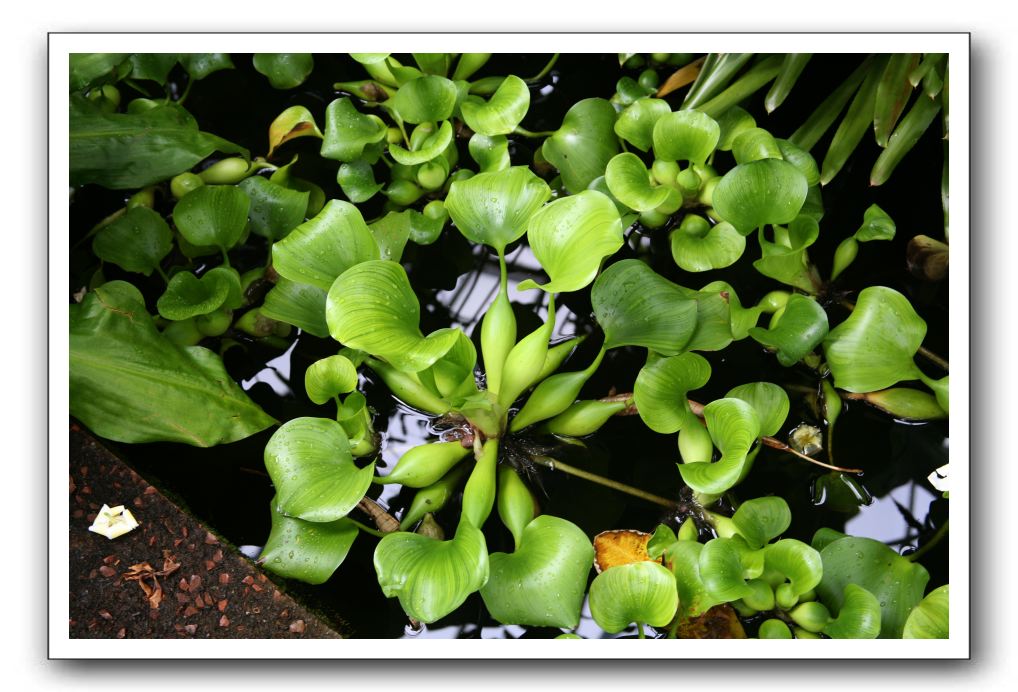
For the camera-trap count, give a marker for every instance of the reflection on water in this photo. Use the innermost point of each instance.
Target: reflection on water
(884, 521)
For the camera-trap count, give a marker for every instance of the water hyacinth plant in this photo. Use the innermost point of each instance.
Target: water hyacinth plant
(615, 207)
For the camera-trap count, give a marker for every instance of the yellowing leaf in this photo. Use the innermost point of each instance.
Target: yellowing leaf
(719, 622)
(620, 547)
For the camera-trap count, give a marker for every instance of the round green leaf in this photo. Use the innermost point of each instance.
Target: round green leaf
(135, 242)
(859, 617)
(431, 578)
(683, 557)
(774, 629)
(309, 462)
(721, 571)
(429, 147)
(763, 192)
(582, 147)
(571, 237)
(306, 550)
(212, 215)
(642, 592)
(741, 319)
(298, 304)
(322, 248)
(928, 620)
(330, 377)
(686, 135)
(188, 296)
(541, 584)
(698, 247)
(358, 181)
(874, 348)
(733, 122)
(802, 326)
(630, 183)
(372, 307)
(801, 159)
(734, 427)
(636, 122)
(201, 65)
(768, 400)
(348, 131)
(896, 582)
(426, 99)
(490, 153)
(637, 307)
(284, 70)
(275, 210)
(762, 519)
(502, 112)
(797, 561)
(493, 208)
(754, 144)
(661, 389)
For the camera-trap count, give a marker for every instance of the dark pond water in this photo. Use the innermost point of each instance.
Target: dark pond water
(228, 488)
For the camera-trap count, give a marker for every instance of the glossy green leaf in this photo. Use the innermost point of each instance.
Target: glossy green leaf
(698, 247)
(755, 144)
(876, 225)
(732, 123)
(636, 123)
(469, 63)
(768, 400)
(803, 325)
(642, 592)
(329, 377)
(798, 562)
(715, 74)
(434, 497)
(212, 215)
(201, 65)
(542, 584)
(154, 66)
(425, 464)
(774, 629)
(571, 237)
(721, 571)
(516, 506)
(494, 208)
(770, 191)
(931, 618)
(853, 126)
(734, 428)
(873, 349)
(316, 196)
(322, 248)
(372, 307)
(810, 132)
(630, 183)
(801, 159)
(786, 259)
(426, 99)
(762, 519)
(430, 146)
(431, 578)
(583, 418)
(391, 233)
(791, 68)
(131, 150)
(751, 81)
(713, 321)
(135, 242)
(301, 305)
(309, 462)
(637, 307)
(490, 153)
(284, 70)
(905, 136)
(893, 91)
(502, 113)
(906, 404)
(305, 550)
(120, 362)
(859, 617)
(188, 296)
(358, 181)
(683, 558)
(294, 122)
(685, 135)
(87, 69)
(275, 210)
(897, 583)
(348, 132)
(741, 319)
(583, 146)
(662, 386)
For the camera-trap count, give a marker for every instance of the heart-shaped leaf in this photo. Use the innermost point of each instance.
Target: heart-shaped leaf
(212, 215)
(733, 122)
(698, 247)
(294, 122)
(541, 584)
(305, 550)
(430, 145)
(301, 305)
(637, 307)
(859, 617)
(490, 153)
(358, 181)
(372, 307)
(494, 208)
(786, 259)
(275, 210)
(154, 66)
(135, 242)
(641, 592)
(928, 620)
(685, 135)
(734, 428)
(188, 296)
(120, 362)
(630, 183)
(683, 558)
(322, 248)
(662, 386)
(762, 519)
(751, 195)
(284, 70)
(330, 377)
(897, 583)
(798, 562)
(426, 99)
(802, 326)
(755, 144)
(431, 578)
(582, 147)
(801, 159)
(636, 122)
(721, 572)
(571, 237)
(741, 319)
(502, 112)
(768, 400)
(874, 348)
(309, 462)
(348, 131)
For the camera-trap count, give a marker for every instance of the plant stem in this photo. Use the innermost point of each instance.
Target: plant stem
(934, 540)
(366, 529)
(639, 631)
(556, 465)
(528, 133)
(547, 68)
(383, 520)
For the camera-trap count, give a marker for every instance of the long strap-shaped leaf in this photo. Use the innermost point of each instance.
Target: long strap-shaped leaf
(718, 69)
(892, 94)
(791, 68)
(748, 84)
(827, 112)
(854, 124)
(905, 136)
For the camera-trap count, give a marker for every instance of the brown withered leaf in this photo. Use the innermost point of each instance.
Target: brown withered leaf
(620, 547)
(681, 77)
(719, 622)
